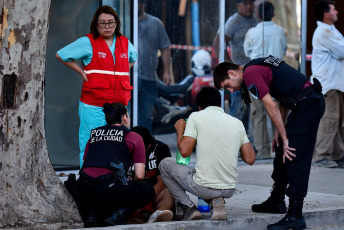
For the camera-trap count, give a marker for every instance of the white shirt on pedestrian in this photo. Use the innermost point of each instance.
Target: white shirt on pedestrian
(328, 57)
(265, 39)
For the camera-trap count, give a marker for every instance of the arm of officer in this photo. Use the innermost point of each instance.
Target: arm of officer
(247, 153)
(185, 144)
(139, 169)
(276, 117)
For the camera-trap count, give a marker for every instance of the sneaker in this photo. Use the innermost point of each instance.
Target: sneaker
(289, 222)
(179, 212)
(192, 213)
(218, 209)
(160, 216)
(326, 163)
(340, 162)
(270, 206)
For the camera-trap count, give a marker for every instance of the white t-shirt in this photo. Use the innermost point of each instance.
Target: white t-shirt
(219, 137)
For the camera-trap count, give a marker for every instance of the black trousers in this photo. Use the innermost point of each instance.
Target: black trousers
(302, 127)
(107, 196)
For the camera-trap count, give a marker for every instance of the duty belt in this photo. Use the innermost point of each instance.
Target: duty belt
(107, 177)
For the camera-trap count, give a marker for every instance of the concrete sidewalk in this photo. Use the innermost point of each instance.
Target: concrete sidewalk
(323, 207)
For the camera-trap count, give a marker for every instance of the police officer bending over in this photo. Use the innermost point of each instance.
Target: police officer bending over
(293, 142)
(104, 190)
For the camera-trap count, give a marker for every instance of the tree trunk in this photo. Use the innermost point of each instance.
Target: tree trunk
(31, 195)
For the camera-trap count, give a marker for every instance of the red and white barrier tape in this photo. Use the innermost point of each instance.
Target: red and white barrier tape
(209, 48)
(187, 47)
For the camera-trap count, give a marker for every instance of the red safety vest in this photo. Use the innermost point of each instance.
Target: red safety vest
(107, 82)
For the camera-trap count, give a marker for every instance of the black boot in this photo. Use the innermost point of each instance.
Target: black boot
(117, 217)
(92, 219)
(274, 204)
(293, 220)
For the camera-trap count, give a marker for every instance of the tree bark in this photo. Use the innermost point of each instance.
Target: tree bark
(31, 194)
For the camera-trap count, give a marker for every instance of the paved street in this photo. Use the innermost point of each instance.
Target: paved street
(323, 208)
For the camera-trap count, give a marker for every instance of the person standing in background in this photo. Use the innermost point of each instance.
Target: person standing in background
(258, 44)
(106, 57)
(328, 67)
(236, 28)
(152, 37)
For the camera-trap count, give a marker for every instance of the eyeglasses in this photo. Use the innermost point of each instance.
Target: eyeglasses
(110, 24)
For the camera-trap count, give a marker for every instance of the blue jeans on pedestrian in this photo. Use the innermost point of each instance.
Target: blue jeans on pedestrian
(147, 95)
(238, 111)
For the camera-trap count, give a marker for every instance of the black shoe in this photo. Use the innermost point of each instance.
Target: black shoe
(116, 218)
(289, 222)
(92, 220)
(270, 206)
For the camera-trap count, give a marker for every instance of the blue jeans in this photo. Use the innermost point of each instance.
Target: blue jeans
(147, 95)
(238, 111)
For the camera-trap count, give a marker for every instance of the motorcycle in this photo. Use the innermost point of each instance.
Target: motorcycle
(179, 100)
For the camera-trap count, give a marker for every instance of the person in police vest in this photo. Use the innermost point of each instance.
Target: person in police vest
(106, 57)
(105, 191)
(270, 79)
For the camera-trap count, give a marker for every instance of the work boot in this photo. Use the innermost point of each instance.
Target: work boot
(274, 204)
(92, 220)
(293, 220)
(116, 218)
(218, 209)
(288, 222)
(191, 213)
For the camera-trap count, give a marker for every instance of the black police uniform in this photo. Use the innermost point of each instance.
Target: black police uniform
(307, 107)
(106, 193)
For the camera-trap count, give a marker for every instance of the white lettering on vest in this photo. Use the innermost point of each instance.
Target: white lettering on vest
(101, 55)
(107, 135)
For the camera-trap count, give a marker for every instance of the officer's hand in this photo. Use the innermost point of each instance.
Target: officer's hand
(275, 140)
(287, 151)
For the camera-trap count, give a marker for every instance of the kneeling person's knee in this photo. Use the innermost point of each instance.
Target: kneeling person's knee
(163, 164)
